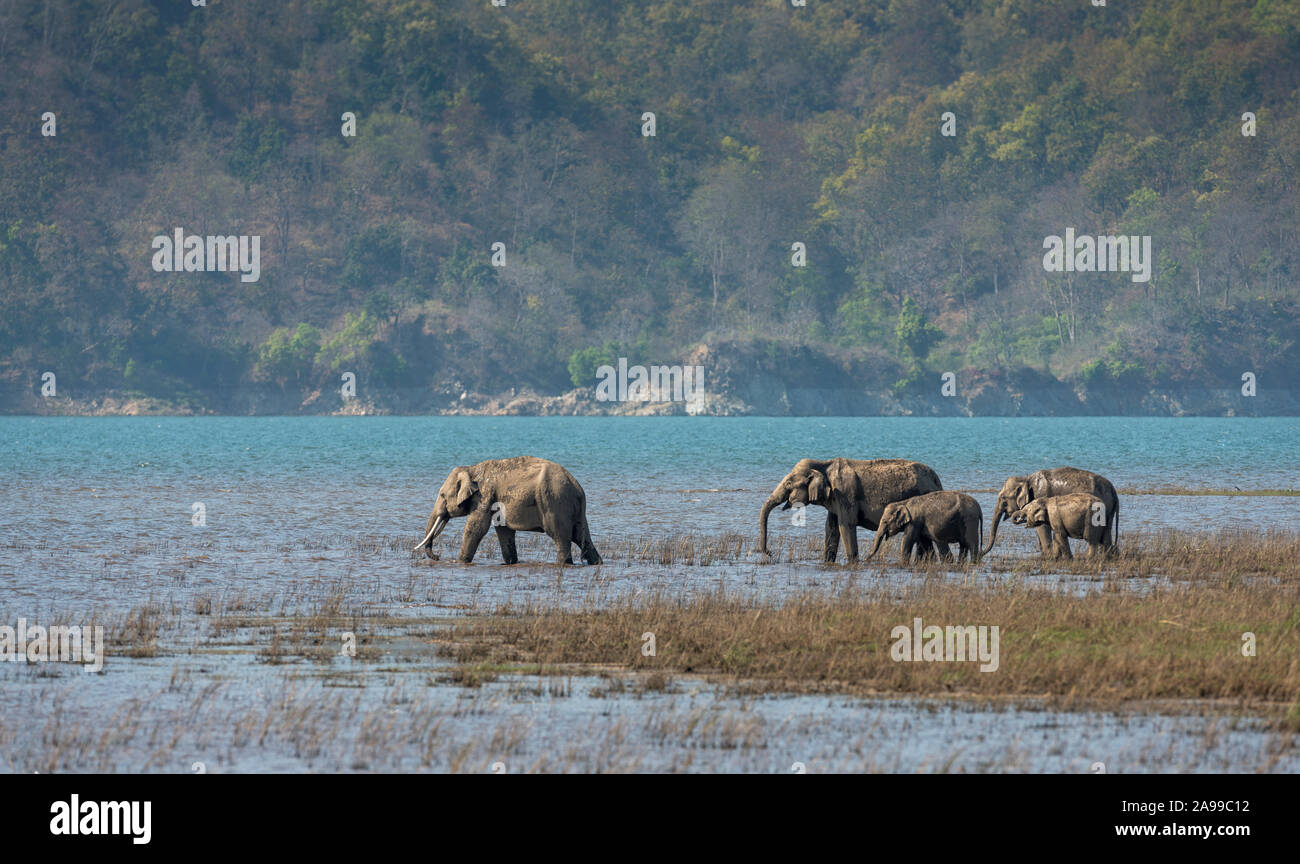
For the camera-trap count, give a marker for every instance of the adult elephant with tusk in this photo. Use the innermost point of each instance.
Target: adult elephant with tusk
(510, 495)
(1017, 492)
(854, 493)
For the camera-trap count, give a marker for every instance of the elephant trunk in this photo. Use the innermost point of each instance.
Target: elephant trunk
(427, 543)
(998, 515)
(762, 523)
(881, 537)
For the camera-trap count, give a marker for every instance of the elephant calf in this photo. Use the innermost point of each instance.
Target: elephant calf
(519, 494)
(937, 517)
(1017, 492)
(1079, 515)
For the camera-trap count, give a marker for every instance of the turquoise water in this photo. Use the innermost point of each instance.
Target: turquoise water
(283, 476)
(703, 451)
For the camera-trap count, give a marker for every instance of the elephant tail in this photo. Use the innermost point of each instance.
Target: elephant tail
(981, 536)
(582, 536)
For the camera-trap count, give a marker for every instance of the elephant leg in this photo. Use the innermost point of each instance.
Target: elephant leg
(832, 545)
(506, 539)
(561, 532)
(970, 543)
(925, 547)
(1063, 546)
(563, 537)
(1107, 539)
(1100, 543)
(945, 552)
(909, 543)
(476, 528)
(1044, 538)
(849, 534)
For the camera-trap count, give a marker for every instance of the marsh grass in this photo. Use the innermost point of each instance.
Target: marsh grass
(1096, 650)
(136, 634)
(1169, 649)
(1225, 555)
(1160, 623)
(1181, 555)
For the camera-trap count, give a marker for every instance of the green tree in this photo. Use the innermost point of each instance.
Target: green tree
(915, 335)
(584, 363)
(289, 354)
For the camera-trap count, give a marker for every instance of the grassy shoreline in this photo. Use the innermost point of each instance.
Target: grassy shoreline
(1102, 650)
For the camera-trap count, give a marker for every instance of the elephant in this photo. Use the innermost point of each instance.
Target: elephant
(939, 517)
(520, 494)
(854, 493)
(1019, 491)
(1074, 515)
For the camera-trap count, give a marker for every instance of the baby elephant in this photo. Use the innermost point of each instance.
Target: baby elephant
(939, 517)
(1080, 515)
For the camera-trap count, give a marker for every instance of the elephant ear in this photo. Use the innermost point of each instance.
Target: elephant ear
(466, 489)
(818, 488)
(904, 515)
(1025, 494)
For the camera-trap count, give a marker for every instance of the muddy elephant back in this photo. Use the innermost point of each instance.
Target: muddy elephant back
(917, 478)
(927, 478)
(889, 481)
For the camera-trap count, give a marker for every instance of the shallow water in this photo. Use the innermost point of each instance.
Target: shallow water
(100, 510)
(222, 714)
(95, 519)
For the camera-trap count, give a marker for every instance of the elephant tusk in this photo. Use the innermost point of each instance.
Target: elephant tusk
(438, 525)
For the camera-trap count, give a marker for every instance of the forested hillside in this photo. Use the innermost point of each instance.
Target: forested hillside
(523, 125)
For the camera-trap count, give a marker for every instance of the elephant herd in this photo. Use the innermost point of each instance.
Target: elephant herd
(888, 496)
(897, 496)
